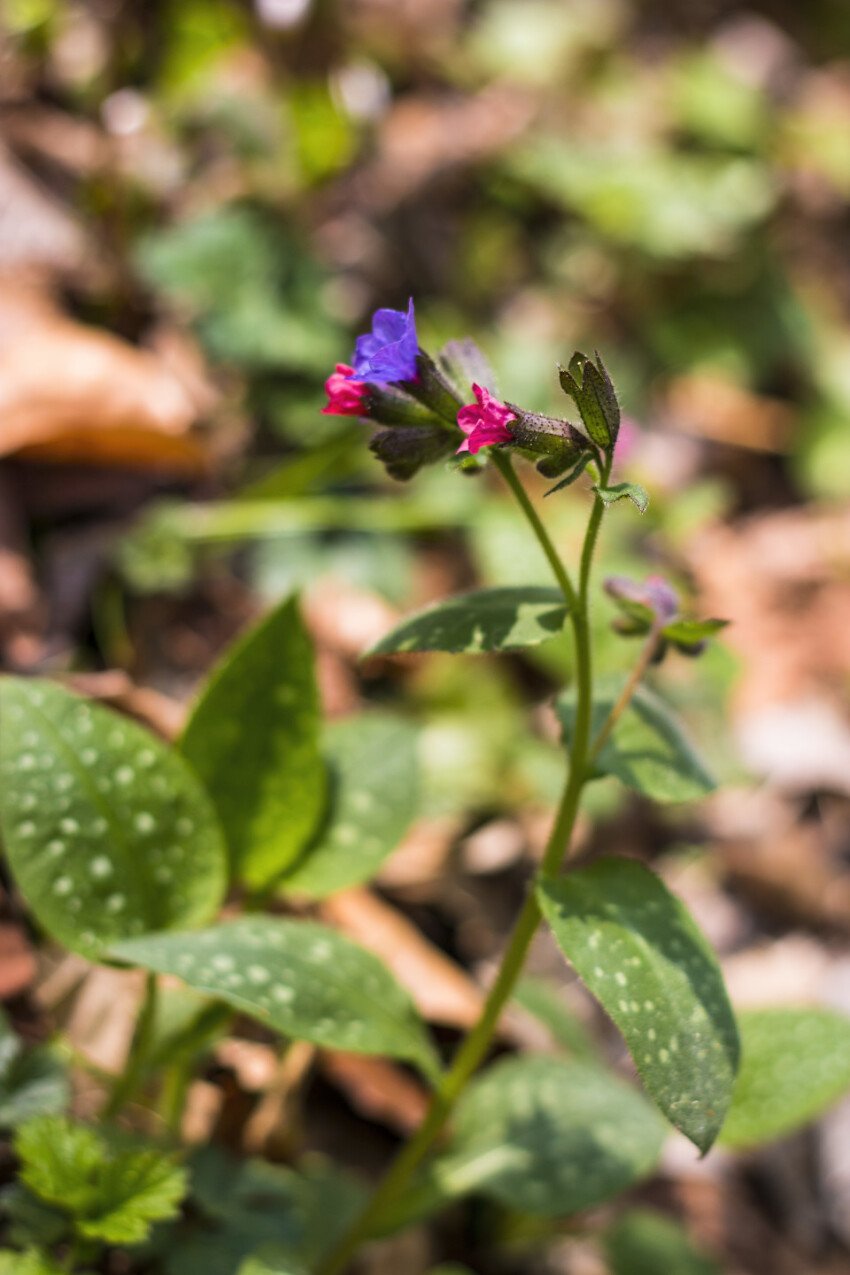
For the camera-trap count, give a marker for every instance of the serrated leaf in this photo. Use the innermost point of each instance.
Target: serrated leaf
(253, 740)
(504, 619)
(795, 1063)
(641, 954)
(373, 781)
(107, 830)
(624, 491)
(303, 979)
(644, 1242)
(31, 1082)
(647, 750)
(549, 1137)
(112, 1196)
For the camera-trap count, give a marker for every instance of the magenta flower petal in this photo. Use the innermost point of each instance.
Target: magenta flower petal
(484, 422)
(345, 396)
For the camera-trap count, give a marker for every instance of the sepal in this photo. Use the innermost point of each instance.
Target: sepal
(405, 451)
(590, 387)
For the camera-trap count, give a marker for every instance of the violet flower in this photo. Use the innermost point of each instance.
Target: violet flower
(388, 352)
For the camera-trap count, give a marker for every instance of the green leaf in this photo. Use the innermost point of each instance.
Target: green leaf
(647, 750)
(373, 780)
(30, 1082)
(544, 1001)
(504, 619)
(549, 1137)
(575, 473)
(644, 1242)
(624, 491)
(692, 632)
(32, 1262)
(642, 956)
(112, 1196)
(250, 1208)
(303, 979)
(795, 1063)
(253, 740)
(107, 830)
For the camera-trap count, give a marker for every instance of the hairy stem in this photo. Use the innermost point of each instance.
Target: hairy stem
(477, 1044)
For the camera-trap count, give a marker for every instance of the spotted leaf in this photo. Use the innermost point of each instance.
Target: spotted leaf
(108, 832)
(303, 979)
(372, 764)
(504, 619)
(642, 956)
(253, 740)
(549, 1137)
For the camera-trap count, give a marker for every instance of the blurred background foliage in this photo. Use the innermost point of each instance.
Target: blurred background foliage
(202, 202)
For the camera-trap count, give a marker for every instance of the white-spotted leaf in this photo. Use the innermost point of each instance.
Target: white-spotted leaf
(795, 1063)
(549, 1136)
(253, 740)
(108, 832)
(642, 956)
(504, 619)
(303, 979)
(647, 750)
(373, 792)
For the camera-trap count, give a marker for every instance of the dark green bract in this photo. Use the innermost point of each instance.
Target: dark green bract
(795, 1063)
(108, 832)
(487, 620)
(642, 956)
(253, 740)
(304, 979)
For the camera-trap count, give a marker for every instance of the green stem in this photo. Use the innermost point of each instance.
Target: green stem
(128, 1082)
(477, 1044)
(634, 680)
(502, 461)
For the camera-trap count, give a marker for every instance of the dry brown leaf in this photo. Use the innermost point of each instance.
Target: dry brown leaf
(378, 1090)
(103, 401)
(17, 961)
(442, 991)
(726, 413)
(272, 1125)
(37, 234)
(103, 1017)
(163, 714)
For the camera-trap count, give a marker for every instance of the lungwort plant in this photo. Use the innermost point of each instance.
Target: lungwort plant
(125, 850)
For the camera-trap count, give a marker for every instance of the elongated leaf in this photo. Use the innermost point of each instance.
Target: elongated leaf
(795, 1064)
(647, 750)
(486, 620)
(625, 491)
(31, 1082)
(642, 956)
(574, 474)
(644, 1242)
(549, 1136)
(303, 979)
(108, 831)
(372, 763)
(692, 632)
(253, 740)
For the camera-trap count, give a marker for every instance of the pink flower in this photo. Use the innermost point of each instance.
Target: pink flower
(345, 397)
(485, 422)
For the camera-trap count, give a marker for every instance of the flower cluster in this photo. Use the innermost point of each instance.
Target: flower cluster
(422, 405)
